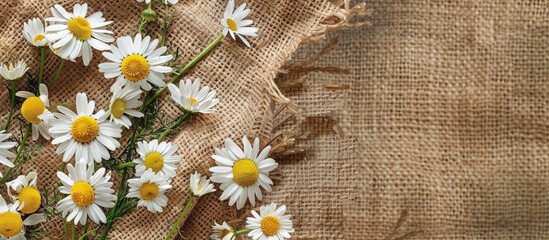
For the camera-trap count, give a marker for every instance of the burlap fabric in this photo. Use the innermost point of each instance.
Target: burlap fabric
(448, 101)
(243, 78)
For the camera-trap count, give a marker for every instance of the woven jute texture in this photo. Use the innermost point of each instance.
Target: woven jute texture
(448, 101)
(244, 79)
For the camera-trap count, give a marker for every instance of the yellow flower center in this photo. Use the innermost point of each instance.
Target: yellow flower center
(135, 67)
(245, 172)
(154, 161)
(31, 198)
(270, 225)
(11, 224)
(148, 191)
(193, 100)
(39, 38)
(232, 24)
(82, 194)
(118, 107)
(32, 108)
(84, 129)
(80, 28)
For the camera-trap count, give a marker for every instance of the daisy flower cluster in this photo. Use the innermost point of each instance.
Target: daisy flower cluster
(88, 135)
(23, 211)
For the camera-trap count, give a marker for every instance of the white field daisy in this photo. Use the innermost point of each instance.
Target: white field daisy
(222, 232)
(193, 97)
(241, 173)
(12, 225)
(200, 185)
(34, 33)
(83, 133)
(5, 147)
(270, 223)
(88, 192)
(136, 62)
(160, 157)
(74, 35)
(150, 188)
(34, 110)
(164, 1)
(124, 102)
(26, 192)
(13, 73)
(234, 23)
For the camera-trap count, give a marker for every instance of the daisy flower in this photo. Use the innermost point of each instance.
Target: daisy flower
(74, 35)
(88, 192)
(158, 157)
(241, 173)
(270, 223)
(83, 133)
(124, 102)
(12, 225)
(5, 154)
(164, 1)
(222, 232)
(27, 193)
(150, 188)
(193, 97)
(13, 73)
(234, 23)
(136, 62)
(34, 110)
(33, 31)
(200, 185)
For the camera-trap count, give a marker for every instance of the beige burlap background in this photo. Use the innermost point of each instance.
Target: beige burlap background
(448, 101)
(445, 117)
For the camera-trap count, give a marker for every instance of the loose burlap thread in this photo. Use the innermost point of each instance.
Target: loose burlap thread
(243, 79)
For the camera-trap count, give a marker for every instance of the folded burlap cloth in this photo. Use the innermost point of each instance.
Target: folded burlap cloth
(314, 191)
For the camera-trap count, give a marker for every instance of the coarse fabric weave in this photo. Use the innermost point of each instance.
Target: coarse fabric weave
(448, 103)
(244, 80)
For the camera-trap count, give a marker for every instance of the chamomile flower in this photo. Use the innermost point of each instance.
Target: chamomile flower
(200, 185)
(241, 173)
(150, 188)
(136, 63)
(193, 97)
(222, 232)
(270, 223)
(234, 23)
(34, 110)
(26, 192)
(34, 32)
(75, 34)
(164, 1)
(87, 192)
(84, 134)
(13, 73)
(12, 225)
(124, 102)
(156, 156)
(5, 147)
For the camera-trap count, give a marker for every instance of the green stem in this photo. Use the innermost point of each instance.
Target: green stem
(73, 235)
(181, 217)
(143, 20)
(174, 125)
(125, 165)
(12, 103)
(42, 65)
(57, 73)
(240, 232)
(186, 68)
(20, 149)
